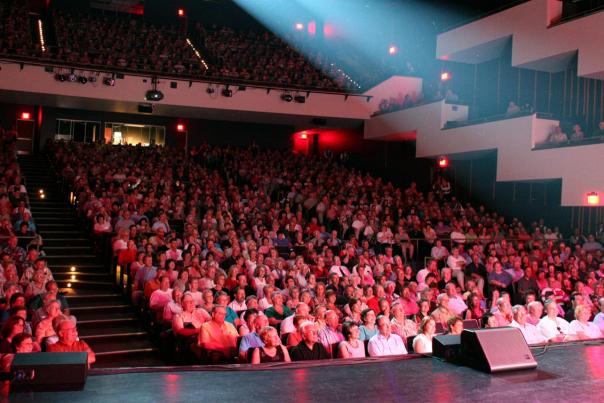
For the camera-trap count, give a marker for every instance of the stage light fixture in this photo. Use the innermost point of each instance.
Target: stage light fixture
(109, 81)
(443, 162)
(154, 95)
(92, 79)
(392, 50)
(227, 92)
(444, 76)
(210, 90)
(299, 26)
(287, 97)
(25, 116)
(60, 77)
(180, 128)
(82, 79)
(300, 99)
(72, 77)
(593, 198)
(181, 12)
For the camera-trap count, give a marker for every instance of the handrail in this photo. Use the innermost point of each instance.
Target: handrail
(34, 61)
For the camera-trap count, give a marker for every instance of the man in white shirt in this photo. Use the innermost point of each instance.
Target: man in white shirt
(385, 342)
(531, 333)
(162, 296)
(456, 303)
(432, 267)
(599, 319)
(238, 304)
(553, 327)
(287, 324)
(457, 263)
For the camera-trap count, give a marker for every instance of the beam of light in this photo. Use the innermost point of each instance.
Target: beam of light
(353, 35)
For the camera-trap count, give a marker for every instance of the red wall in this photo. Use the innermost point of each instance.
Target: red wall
(337, 140)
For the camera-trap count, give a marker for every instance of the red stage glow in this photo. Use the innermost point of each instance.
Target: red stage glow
(392, 50)
(180, 128)
(299, 26)
(181, 12)
(312, 28)
(443, 162)
(593, 199)
(25, 115)
(445, 76)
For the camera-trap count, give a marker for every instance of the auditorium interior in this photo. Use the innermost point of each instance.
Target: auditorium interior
(300, 200)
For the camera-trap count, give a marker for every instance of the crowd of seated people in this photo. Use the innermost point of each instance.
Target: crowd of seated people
(127, 43)
(240, 251)
(264, 57)
(32, 311)
(400, 102)
(15, 34)
(559, 136)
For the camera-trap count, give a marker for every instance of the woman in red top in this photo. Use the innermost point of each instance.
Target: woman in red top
(128, 255)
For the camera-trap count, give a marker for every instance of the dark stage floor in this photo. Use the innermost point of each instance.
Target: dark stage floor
(567, 373)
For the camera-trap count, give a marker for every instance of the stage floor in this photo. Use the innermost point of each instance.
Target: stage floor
(568, 373)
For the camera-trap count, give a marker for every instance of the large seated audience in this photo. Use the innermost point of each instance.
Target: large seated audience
(238, 253)
(126, 43)
(131, 44)
(264, 57)
(33, 314)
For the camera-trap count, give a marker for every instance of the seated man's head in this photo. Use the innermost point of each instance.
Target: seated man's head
(66, 330)
(519, 314)
(383, 324)
(443, 300)
(309, 332)
(219, 314)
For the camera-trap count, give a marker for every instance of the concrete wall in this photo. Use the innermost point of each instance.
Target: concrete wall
(579, 167)
(533, 39)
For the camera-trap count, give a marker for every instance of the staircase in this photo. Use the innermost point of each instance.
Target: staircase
(105, 321)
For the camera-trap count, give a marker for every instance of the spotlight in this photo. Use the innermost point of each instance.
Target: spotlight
(593, 198)
(82, 79)
(210, 90)
(109, 81)
(444, 76)
(287, 97)
(443, 162)
(392, 50)
(26, 116)
(180, 128)
(73, 268)
(60, 77)
(154, 95)
(181, 12)
(300, 99)
(299, 26)
(227, 93)
(72, 77)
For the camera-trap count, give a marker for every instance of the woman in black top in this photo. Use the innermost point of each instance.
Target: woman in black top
(13, 326)
(273, 350)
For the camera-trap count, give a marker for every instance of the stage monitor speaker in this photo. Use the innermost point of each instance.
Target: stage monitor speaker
(496, 350)
(447, 347)
(49, 371)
